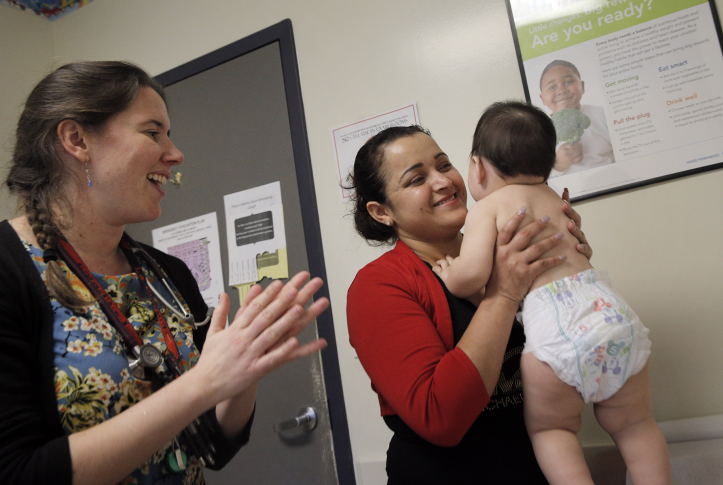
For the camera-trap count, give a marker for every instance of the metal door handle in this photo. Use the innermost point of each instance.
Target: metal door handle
(306, 421)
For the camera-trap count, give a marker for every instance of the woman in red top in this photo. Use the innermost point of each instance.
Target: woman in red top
(446, 370)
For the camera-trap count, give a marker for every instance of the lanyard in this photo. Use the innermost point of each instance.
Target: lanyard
(118, 320)
(196, 434)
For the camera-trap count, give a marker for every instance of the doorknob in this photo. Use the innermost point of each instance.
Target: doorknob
(306, 421)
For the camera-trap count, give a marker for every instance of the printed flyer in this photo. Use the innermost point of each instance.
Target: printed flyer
(348, 139)
(195, 242)
(634, 87)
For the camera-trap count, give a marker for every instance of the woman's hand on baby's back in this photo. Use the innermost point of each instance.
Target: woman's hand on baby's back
(516, 261)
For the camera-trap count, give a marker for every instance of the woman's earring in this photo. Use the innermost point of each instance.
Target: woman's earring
(87, 174)
(389, 223)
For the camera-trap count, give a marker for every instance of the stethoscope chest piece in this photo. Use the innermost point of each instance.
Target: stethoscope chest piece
(149, 357)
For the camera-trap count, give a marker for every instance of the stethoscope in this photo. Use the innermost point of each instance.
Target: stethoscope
(197, 433)
(147, 356)
(187, 317)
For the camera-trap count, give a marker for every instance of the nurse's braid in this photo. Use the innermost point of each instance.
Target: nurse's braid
(47, 234)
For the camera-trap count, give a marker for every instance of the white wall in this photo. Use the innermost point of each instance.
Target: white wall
(26, 57)
(660, 243)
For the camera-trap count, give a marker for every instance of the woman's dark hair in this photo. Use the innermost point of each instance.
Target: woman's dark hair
(369, 185)
(89, 93)
(517, 139)
(559, 63)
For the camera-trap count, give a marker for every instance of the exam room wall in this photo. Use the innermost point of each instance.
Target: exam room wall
(660, 242)
(25, 57)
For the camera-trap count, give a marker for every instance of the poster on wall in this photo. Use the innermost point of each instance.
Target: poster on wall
(634, 88)
(195, 242)
(348, 139)
(256, 236)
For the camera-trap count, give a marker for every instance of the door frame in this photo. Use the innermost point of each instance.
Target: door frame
(282, 33)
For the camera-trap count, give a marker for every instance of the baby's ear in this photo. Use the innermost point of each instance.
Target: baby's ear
(479, 169)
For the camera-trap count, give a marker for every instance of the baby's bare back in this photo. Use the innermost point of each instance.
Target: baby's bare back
(540, 201)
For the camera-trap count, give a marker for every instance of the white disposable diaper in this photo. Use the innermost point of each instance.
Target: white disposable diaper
(586, 332)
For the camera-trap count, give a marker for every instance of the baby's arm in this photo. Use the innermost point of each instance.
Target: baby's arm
(468, 273)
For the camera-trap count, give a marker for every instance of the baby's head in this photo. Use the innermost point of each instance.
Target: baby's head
(514, 142)
(561, 86)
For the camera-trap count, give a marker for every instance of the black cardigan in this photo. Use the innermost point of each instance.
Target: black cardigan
(33, 446)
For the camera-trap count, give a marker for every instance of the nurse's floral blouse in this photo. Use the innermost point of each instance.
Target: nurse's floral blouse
(93, 381)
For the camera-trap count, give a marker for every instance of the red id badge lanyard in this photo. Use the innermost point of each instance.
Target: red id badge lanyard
(119, 321)
(197, 433)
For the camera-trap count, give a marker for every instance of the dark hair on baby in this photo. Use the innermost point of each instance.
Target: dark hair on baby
(556, 63)
(89, 93)
(517, 139)
(369, 184)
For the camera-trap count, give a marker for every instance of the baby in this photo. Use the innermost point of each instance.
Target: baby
(584, 343)
(562, 88)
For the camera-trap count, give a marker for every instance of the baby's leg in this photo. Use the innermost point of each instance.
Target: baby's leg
(628, 417)
(552, 415)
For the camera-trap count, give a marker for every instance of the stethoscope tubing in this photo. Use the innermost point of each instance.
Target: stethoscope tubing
(185, 316)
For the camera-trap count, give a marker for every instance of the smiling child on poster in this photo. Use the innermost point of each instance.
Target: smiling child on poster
(561, 87)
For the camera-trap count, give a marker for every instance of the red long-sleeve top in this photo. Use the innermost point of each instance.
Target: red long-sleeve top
(401, 328)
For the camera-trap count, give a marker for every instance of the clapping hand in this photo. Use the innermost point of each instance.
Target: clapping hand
(261, 337)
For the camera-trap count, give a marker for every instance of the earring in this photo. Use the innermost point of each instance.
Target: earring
(87, 174)
(389, 223)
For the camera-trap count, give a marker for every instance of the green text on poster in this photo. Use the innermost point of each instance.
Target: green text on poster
(589, 20)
